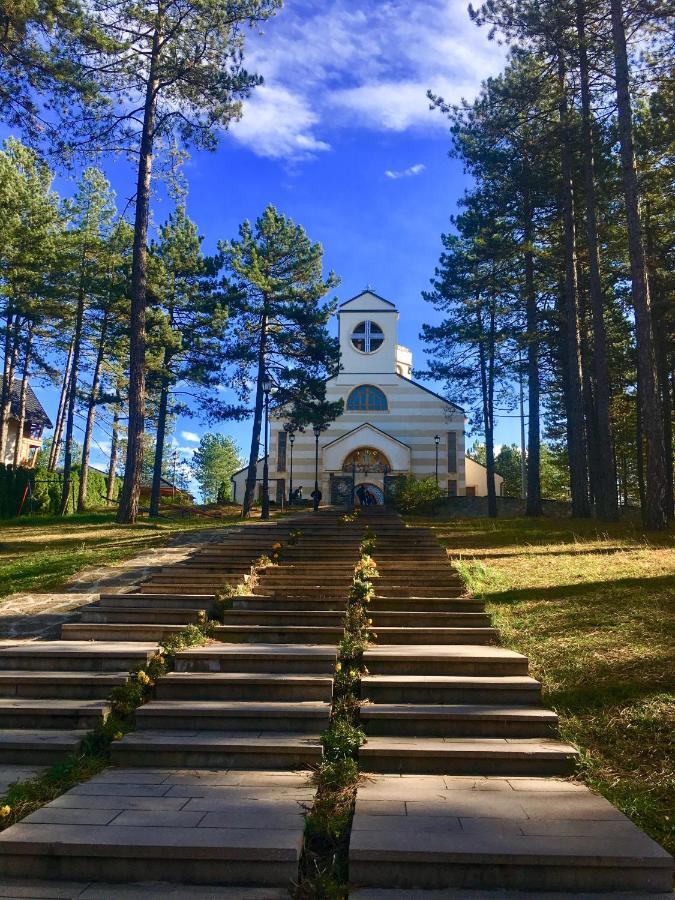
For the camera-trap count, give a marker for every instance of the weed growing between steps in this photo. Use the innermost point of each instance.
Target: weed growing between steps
(94, 753)
(323, 869)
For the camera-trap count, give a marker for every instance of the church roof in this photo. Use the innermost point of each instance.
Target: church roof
(363, 294)
(34, 410)
(366, 425)
(433, 393)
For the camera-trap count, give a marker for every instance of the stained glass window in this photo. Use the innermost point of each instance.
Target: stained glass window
(366, 459)
(367, 337)
(366, 397)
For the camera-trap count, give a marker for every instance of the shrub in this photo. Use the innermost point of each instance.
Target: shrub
(417, 496)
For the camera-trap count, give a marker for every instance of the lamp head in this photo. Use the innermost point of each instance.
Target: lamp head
(437, 439)
(317, 430)
(291, 437)
(266, 384)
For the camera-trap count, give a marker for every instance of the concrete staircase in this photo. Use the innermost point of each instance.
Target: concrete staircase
(464, 786)
(481, 804)
(210, 787)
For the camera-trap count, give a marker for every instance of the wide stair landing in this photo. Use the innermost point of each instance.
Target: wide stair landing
(466, 786)
(212, 785)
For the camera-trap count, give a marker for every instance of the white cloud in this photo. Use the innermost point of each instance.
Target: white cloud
(277, 123)
(410, 172)
(190, 436)
(359, 63)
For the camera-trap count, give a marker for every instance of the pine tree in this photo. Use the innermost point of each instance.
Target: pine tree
(277, 323)
(213, 463)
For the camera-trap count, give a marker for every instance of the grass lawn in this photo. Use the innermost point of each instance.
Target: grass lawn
(41, 553)
(592, 606)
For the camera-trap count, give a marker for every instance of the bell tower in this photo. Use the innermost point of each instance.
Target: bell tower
(367, 328)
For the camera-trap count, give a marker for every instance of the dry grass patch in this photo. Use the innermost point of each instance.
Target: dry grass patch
(592, 606)
(41, 553)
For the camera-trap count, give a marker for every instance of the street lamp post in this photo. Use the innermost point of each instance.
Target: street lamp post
(291, 441)
(265, 513)
(437, 441)
(317, 431)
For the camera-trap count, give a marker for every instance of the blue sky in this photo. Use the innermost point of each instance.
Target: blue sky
(341, 138)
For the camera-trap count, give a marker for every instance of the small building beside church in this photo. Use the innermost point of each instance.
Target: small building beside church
(34, 424)
(391, 427)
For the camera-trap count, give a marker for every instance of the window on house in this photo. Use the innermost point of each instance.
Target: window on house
(366, 397)
(471, 490)
(366, 459)
(367, 337)
(281, 452)
(452, 451)
(452, 488)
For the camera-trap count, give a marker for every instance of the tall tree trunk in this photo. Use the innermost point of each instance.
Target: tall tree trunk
(6, 383)
(486, 362)
(606, 498)
(654, 513)
(61, 412)
(252, 473)
(661, 301)
(159, 444)
(114, 453)
(128, 508)
(11, 351)
(574, 397)
(72, 391)
(533, 506)
(639, 450)
(23, 393)
(91, 415)
(587, 389)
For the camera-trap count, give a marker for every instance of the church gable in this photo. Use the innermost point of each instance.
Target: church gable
(367, 300)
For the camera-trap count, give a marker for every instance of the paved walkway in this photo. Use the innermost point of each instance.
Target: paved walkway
(465, 790)
(468, 786)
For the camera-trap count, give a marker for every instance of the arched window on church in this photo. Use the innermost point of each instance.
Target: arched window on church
(366, 397)
(366, 459)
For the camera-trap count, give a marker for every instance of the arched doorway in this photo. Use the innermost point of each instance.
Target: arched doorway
(368, 494)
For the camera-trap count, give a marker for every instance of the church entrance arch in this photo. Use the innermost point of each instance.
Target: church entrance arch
(368, 494)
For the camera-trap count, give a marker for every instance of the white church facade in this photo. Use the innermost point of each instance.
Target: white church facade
(391, 426)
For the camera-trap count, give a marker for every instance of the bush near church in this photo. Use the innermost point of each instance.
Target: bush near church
(413, 495)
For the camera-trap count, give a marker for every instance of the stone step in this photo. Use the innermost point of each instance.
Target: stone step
(52, 713)
(532, 757)
(430, 620)
(453, 602)
(203, 590)
(458, 659)
(254, 686)
(202, 567)
(217, 750)
(427, 836)
(259, 601)
(284, 617)
(163, 601)
(279, 634)
(80, 656)
(450, 689)
(194, 577)
(273, 658)
(117, 631)
(417, 589)
(38, 747)
(158, 615)
(458, 720)
(435, 636)
(66, 685)
(298, 593)
(304, 717)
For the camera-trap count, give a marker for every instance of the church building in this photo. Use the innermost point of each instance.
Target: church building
(391, 426)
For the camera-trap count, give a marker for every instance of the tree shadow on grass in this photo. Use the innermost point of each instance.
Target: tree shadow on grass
(586, 589)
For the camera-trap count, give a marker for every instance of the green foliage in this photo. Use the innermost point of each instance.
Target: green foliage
(46, 490)
(216, 459)
(413, 495)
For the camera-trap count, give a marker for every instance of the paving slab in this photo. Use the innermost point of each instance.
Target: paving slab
(14, 774)
(424, 835)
